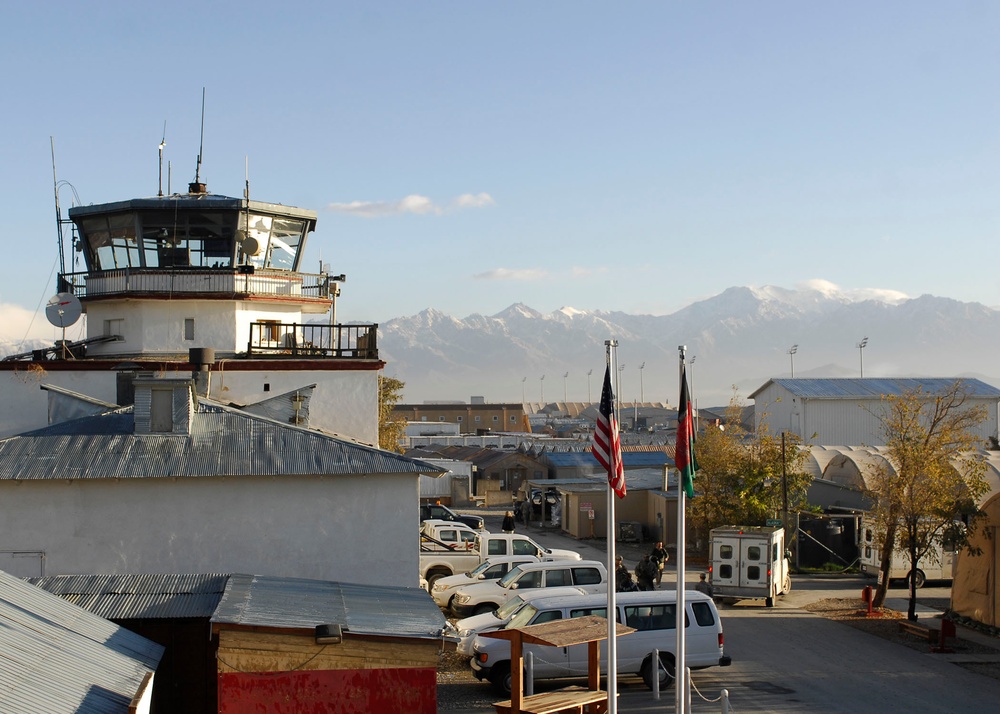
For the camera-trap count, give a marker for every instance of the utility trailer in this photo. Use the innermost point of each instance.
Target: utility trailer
(936, 564)
(749, 562)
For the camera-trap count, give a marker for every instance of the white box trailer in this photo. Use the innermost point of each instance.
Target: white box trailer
(936, 564)
(749, 562)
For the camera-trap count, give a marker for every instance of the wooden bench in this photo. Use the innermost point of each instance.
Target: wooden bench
(570, 699)
(915, 628)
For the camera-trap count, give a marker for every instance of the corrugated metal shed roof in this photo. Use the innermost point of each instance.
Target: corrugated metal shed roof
(630, 459)
(223, 442)
(133, 597)
(59, 657)
(870, 388)
(636, 479)
(262, 601)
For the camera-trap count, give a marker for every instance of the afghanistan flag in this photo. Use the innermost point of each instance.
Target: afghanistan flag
(684, 450)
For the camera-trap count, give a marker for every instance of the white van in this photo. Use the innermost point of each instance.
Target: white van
(463, 632)
(651, 613)
(590, 575)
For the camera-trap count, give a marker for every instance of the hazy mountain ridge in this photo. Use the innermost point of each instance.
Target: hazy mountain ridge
(739, 337)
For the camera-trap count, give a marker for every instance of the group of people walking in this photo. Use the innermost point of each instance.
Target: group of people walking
(649, 573)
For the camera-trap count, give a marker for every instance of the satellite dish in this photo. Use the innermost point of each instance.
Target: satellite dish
(250, 246)
(63, 310)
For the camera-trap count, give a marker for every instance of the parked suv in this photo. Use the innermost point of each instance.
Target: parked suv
(443, 513)
(589, 575)
(444, 589)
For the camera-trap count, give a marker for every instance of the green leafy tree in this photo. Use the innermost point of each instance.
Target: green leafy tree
(744, 474)
(391, 427)
(932, 479)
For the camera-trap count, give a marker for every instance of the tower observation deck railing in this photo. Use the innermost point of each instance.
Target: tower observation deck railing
(238, 281)
(313, 340)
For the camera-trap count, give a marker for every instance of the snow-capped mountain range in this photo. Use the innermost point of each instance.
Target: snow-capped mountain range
(741, 338)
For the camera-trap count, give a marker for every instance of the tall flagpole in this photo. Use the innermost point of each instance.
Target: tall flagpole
(680, 658)
(611, 350)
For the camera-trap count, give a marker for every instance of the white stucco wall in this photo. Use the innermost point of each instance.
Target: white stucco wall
(344, 403)
(152, 327)
(347, 528)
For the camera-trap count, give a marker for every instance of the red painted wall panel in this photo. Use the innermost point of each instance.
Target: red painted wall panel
(342, 691)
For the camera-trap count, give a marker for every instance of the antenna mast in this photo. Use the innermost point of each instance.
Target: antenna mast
(55, 189)
(198, 186)
(163, 142)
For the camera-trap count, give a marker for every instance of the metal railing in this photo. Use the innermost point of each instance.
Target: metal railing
(313, 340)
(226, 281)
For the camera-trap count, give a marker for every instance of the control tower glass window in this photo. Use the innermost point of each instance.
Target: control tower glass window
(202, 239)
(112, 241)
(272, 242)
(161, 239)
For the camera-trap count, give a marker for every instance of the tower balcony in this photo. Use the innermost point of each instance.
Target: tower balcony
(313, 340)
(242, 282)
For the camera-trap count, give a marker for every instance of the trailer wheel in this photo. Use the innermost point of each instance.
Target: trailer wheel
(786, 584)
(919, 579)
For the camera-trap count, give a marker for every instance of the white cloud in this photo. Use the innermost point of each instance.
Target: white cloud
(579, 271)
(524, 274)
(414, 203)
(473, 200)
(831, 290)
(20, 324)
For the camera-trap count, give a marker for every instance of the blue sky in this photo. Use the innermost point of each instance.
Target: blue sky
(467, 155)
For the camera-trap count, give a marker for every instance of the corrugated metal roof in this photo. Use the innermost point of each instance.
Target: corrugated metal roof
(58, 657)
(630, 459)
(133, 597)
(223, 441)
(870, 388)
(637, 479)
(255, 600)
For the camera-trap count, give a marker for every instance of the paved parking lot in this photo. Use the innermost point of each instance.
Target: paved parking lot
(786, 659)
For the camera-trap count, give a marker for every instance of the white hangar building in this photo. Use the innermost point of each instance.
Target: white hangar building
(847, 411)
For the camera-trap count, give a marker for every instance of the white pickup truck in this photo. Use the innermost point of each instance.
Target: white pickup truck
(448, 548)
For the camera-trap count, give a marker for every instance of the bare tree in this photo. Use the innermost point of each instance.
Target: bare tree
(933, 477)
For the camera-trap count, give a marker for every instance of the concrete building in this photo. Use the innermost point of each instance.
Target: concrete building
(182, 484)
(474, 417)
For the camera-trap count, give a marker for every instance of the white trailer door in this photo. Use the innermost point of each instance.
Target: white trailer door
(725, 562)
(754, 563)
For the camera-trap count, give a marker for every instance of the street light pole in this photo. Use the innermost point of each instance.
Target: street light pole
(541, 389)
(565, 377)
(861, 352)
(589, 398)
(642, 394)
(791, 357)
(523, 380)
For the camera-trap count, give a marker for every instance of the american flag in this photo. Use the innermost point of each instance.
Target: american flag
(607, 445)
